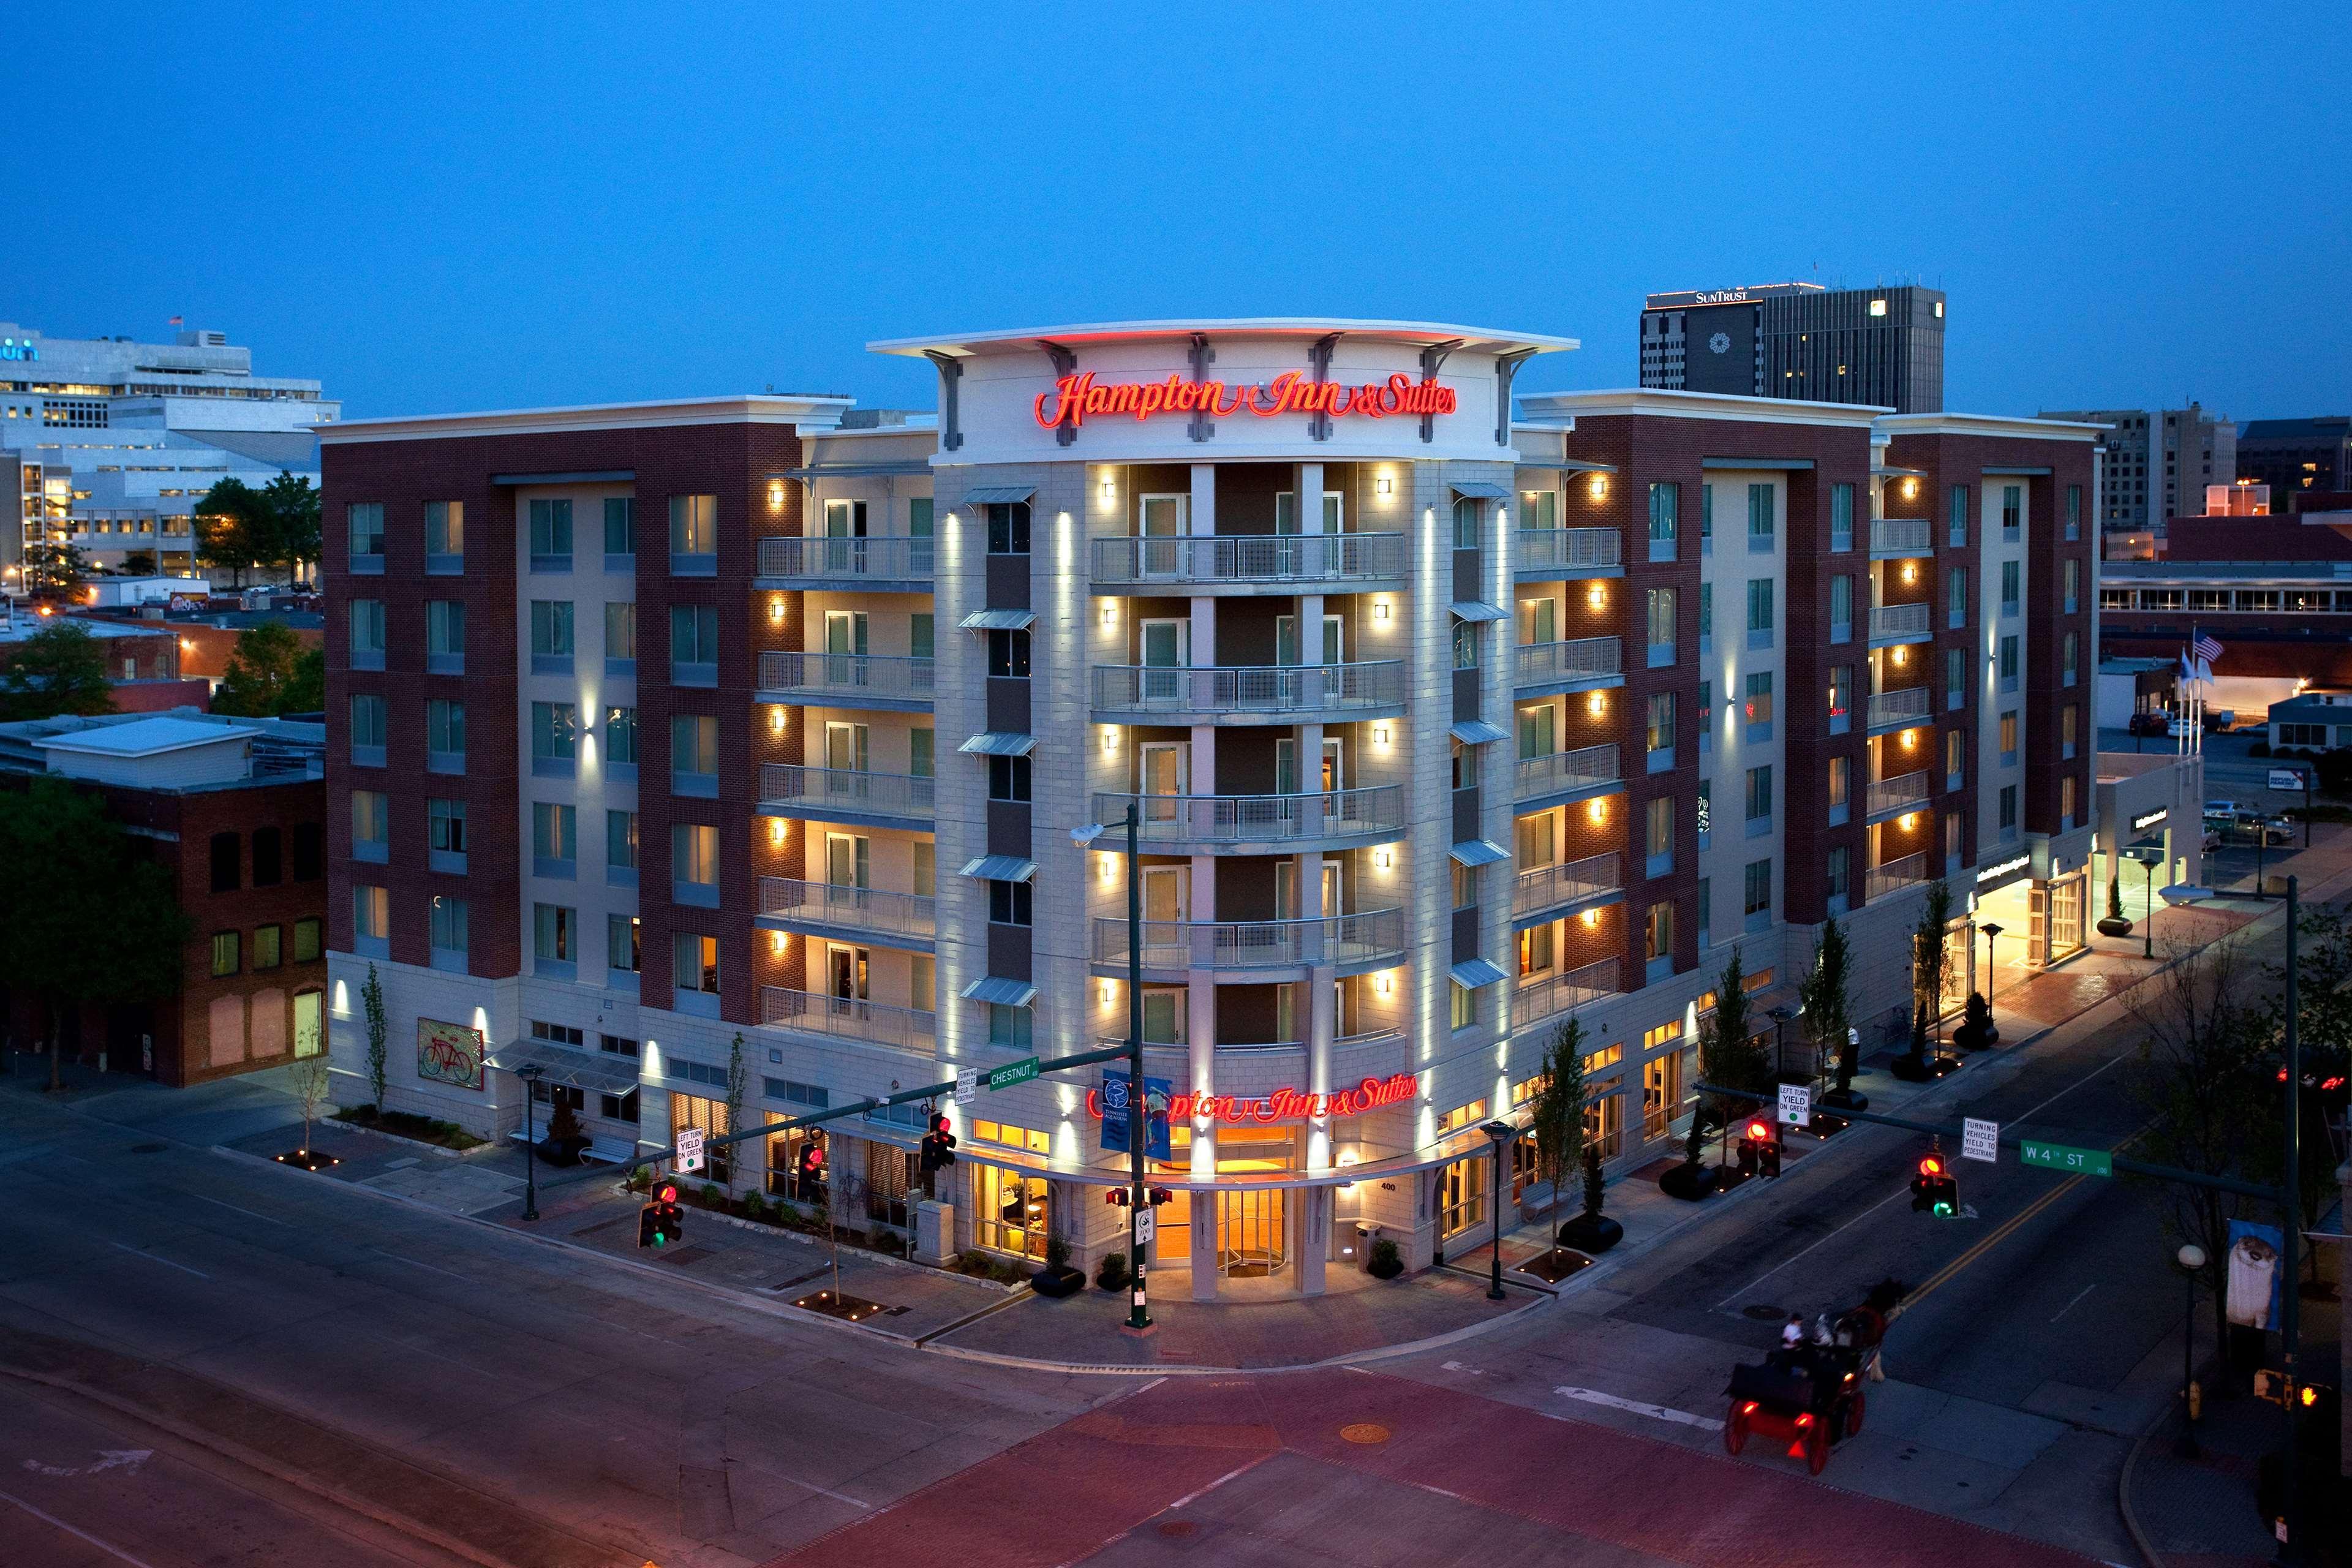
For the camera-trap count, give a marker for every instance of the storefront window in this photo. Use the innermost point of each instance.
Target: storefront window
(798, 1163)
(711, 1115)
(1461, 1195)
(1013, 1211)
(892, 1175)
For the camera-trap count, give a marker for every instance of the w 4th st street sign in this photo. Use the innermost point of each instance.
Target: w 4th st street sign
(2059, 1157)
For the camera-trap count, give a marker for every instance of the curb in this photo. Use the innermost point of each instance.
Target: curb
(2123, 1493)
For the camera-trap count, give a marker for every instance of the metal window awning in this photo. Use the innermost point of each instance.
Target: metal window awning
(998, 495)
(999, 743)
(1473, 972)
(1478, 733)
(1478, 852)
(1901, 473)
(1578, 466)
(565, 1068)
(572, 476)
(998, 620)
(1471, 610)
(1479, 489)
(2018, 472)
(1001, 869)
(1003, 992)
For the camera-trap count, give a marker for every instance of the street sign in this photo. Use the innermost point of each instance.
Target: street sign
(1979, 1140)
(1796, 1104)
(690, 1147)
(2288, 779)
(1146, 1224)
(967, 1085)
(2059, 1157)
(1011, 1073)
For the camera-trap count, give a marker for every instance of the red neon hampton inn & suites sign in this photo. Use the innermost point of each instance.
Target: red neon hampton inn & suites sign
(1075, 399)
(1283, 1104)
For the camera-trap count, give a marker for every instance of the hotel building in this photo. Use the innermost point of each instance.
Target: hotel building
(777, 726)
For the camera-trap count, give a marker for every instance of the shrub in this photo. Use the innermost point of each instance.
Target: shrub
(2259, 748)
(564, 1127)
(714, 1196)
(640, 1179)
(1058, 1251)
(1385, 1262)
(1111, 1273)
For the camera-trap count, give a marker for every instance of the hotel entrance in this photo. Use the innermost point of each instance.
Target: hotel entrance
(1251, 1231)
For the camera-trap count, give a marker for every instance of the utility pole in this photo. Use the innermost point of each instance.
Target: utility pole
(1138, 1315)
(2290, 1225)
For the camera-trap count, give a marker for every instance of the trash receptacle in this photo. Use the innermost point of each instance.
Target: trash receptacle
(1364, 1235)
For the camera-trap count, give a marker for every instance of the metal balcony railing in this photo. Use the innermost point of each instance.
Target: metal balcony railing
(1904, 792)
(848, 675)
(1249, 688)
(1557, 771)
(848, 1018)
(876, 909)
(1571, 882)
(1250, 558)
(1372, 939)
(1258, 818)
(1885, 879)
(786, 787)
(850, 558)
(1584, 658)
(1897, 710)
(1899, 536)
(1542, 996)
(1569, 549)
(1890, 622)
(1340, 1043)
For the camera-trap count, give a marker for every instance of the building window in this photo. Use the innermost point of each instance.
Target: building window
(1958, 514)
(1008, 528)
(2009, 663)
(2008, 810)
(1465, 646)
(224, 953)
(1841, 608)
(551, 534)
(1008, 778)
(2074, 595)
(1840, 517)
(1841, 693)
(694, 854)
(1705, 613)
(1759, 887)
(1841, 785)
(1008, 903)
(1706, 515)
(445, 633)
(621, 935)
(1760, 792)
(2066, 800)
(1008, 654)
(2012, 512)
(1661, 606)
(694, 525)
(554, 733)
(693, 745)
(1462, 1008)
(551, 636)
(1461, 1195)
(367, 634)
(620, 525)
(367, 728)
(366, 527)
(1759, 517)
(2069, 655)
(448, 918)
(2008, 739)
(2012, 587)
(371, 830)
(1467, 515)
(552, 932)
(1659, 838)
(1666, 503)
(555, 840)
(1759, 705)
(1956, 585)
(1011, 1028)
(620, 632)
(444, 736)
(309, 940)
(621, 736)
(2067, 716)
(1660, 735)
(694, 962)
(1956, 753)
(371, 913)
(1956, 676)
(1841, 872)
(226, 853)
(2074, 512)
(1658, 932)
(621, 840)
(1014, 1211)
(1760, 612)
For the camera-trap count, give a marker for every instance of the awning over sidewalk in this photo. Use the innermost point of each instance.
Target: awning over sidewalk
(571, 1068)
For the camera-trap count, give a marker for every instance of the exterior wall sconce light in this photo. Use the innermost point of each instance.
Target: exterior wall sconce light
(1111, 739)
(1109, 867)
(1597, 597)
(1110, 617)
(1388, 983)
(776, 942)
(776, 610)
(1592, 920)
(1597, 704)
(1109, 489)
(775, 495)
(1381, 610)
(1380, 734)
(775, 830)
(1901, 653)
(776, 721)
(1108, 991)
(1598, 810)
(1910, 490)
(1384, 486)
(1385, 857)
(1910, 739)
(1910, 572)
(1598, 487)
(1910, 820)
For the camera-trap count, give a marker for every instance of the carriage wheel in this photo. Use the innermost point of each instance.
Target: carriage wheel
(1817, 1447)
(1853, 1413)
(1735, 1430)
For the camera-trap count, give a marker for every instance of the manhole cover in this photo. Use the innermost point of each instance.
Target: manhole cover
(1764, 1314)
(1364, 1431)
(1179, 1529)
(149, 1148)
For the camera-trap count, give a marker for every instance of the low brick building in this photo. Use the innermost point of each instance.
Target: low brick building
(234, 810)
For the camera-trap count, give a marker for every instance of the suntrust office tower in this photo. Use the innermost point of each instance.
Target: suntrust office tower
(1447, 716)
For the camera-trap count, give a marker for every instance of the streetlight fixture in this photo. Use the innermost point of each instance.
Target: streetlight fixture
(2191, 1259)
(1990, 929)
(1780, 1016)
(529, 1073)
(1501, 1134)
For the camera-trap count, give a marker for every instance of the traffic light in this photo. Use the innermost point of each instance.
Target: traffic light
(1160, 1196)
(1933, 1190)
(661, 1223)
(939, 1145)
(1115, 1197)
(1766, 1138)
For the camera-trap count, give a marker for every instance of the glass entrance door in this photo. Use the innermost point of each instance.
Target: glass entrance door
(1252, 1233)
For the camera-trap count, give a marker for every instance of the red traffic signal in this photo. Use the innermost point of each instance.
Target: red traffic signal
(1931, 1165)
(666, 1193)
(1760, 1130)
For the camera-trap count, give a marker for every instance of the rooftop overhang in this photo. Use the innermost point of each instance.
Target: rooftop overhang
(1999, 426)
(1308, 330)
(811, 409)
(1657, 402)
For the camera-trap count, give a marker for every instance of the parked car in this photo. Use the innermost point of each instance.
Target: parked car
(2221, 811)
(2145, 724)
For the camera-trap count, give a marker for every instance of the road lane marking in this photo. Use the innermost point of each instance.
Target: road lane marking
(2029, 1115)
(247, 1213)
(2007, 1227)
(106, 1546)
(1635, 1407)
(2075, 1302)
(1833, 1236)
(413, 1263)
(1196, 1495)
(166, 1262)
(108, 1460)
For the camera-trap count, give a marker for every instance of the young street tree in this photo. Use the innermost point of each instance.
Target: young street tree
(1558, 1117)
(1727, 1057)
(1931, 961)
(291, 505)
(371, 1004)
(269, 674)
(61, 669)
(308, 1082)
(85, 917)
(1828, 1008)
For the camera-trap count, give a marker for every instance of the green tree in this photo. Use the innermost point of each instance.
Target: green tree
(54, 571)
(737, 1082)
(266, 674)
(1558, 1117)
(1930, 959)
(61, 669)
(234, 528)
(93, 920)
(290, 503)
(139, 563)
(1728, 1054)
(306, 692)
(1827, 1005)
(371, 1004)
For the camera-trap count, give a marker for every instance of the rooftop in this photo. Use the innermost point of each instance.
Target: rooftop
(819, 408)
(125, 749)
(145, 737)
(1476, 338)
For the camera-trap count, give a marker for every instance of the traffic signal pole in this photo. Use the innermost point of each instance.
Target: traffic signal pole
(1138, 1315)
(2290, 1223)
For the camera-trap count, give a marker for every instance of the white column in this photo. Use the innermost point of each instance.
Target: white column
(1201, 999)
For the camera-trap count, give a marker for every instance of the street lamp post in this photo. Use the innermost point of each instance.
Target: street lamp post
(1992, 928)
(1780, 1016)
(2148, 914)
(529, 1073)
(1501, 1132)
(2192, 1258)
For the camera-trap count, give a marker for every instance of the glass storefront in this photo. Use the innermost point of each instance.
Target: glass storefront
(1015, 1207)
(709, 1115)
(1462, 1194)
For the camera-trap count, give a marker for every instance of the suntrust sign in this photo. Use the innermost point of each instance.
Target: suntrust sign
(1075, 399)
(1283, 1104)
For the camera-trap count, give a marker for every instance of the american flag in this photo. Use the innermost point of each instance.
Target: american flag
(2206, 649)
(176, 321)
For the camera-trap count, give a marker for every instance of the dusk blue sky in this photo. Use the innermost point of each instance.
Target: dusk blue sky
(486, 206)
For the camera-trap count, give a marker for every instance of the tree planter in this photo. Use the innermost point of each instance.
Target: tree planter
(1845, 1099)
(1592, 1233)
(1056, 1283)
(1386, 1262)
(1687, 1181)
(2114, 925)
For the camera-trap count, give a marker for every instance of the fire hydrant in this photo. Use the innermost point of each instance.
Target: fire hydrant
(2196, 1400)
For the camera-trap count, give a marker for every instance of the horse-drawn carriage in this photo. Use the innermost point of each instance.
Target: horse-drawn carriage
(1812, 1392)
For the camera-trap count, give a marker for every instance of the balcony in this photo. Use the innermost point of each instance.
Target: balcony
(1899, 710)
(1566, 775)
(1569, 552)
(1350, 943)
(1896, 538)
(1892, 623)
(1539, 668)
(1273, 693)
(849, 1018)
(890, 565)
(1544, 997)
(1890, 797)
(845, 681)
(1280, 822)
(862, 911)
(1241, 560)
(1551, 890)
(843, 794)
(1893, 875)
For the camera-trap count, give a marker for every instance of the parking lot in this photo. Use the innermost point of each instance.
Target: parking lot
(2233, 773)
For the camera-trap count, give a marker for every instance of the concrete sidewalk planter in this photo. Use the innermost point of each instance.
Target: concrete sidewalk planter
(1592, 1232)
(1385, 1261)
(1976, 1031)
(1057, 1280)
(1691, 1181)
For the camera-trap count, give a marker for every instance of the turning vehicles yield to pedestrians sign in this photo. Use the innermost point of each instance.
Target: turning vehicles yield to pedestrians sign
(1980, 1139)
